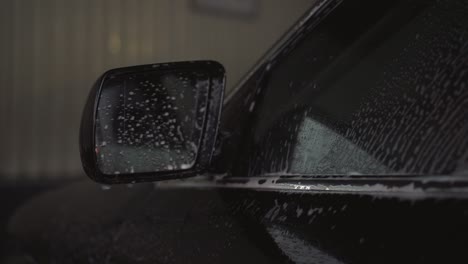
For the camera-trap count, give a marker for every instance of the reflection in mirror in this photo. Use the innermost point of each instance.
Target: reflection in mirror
(150, 121)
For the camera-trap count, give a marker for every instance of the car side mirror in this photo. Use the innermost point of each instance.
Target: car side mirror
(152, 122)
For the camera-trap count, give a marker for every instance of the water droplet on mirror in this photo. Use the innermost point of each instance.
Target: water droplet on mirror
(185, 166)
(252, 105)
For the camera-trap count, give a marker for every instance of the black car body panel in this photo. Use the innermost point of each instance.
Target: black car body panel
(174, 224)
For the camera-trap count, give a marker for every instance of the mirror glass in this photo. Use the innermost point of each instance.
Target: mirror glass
(150, 121)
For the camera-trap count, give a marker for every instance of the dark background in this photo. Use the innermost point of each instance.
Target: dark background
(51, 51)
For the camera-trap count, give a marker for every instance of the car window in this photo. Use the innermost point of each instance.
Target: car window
(373, 95)
(321, 150)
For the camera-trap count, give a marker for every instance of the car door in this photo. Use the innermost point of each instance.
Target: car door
(357, 134)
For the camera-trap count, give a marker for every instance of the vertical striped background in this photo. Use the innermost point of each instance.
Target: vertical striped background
(51, 51)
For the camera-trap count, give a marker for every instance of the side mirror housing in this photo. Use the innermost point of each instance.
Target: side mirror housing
(152, 122)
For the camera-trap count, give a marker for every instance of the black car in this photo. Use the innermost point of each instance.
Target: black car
(346, 143)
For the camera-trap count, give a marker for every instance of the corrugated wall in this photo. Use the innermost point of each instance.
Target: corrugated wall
(51, 51)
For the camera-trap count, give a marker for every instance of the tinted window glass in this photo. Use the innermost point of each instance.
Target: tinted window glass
(379, 93)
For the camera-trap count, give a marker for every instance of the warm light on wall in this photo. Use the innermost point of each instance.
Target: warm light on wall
(114, 43)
